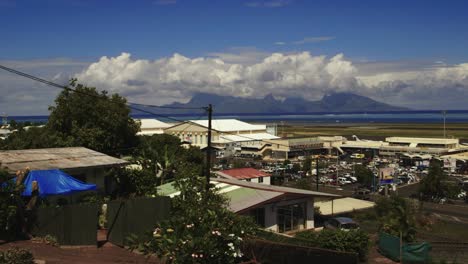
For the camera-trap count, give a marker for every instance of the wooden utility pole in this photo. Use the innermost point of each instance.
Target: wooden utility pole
(208, 150)
(317, 173)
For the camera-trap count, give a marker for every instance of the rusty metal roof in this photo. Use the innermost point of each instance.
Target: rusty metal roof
(56, 158)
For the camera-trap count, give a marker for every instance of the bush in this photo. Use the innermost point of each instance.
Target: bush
(9, 201)
(201, 229)
(356, 241)
(16, 256)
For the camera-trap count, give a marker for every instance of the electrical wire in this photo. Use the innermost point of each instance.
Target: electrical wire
(64, 87)
(131, 105)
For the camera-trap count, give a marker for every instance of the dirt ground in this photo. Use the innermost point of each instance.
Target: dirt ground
(108, 253)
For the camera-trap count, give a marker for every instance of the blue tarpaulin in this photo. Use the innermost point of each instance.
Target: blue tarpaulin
(54, 182)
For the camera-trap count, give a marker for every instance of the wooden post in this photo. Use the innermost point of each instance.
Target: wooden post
(401, 247)
(209, 150)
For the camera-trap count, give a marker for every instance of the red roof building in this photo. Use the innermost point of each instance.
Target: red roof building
(248, 174)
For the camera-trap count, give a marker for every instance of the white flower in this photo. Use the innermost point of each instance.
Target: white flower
(231, 246)
(231, 235)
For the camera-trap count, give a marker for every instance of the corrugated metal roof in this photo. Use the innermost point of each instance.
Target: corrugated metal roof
(245, 173)
(152, 124)
(244, 195)
(244, 137)
(56, 158)
(229, 125)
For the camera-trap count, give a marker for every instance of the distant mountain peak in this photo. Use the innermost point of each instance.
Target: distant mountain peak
(331, 102)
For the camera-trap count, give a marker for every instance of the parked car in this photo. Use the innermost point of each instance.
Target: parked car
(363, 194)
(342, 223)
(342, 181)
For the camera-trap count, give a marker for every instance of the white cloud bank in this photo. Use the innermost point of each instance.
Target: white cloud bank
(177, 78)
(240, 72)
(170, 79)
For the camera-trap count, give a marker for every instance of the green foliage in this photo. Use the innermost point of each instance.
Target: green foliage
(436, 186)
(363, 175)
(159, 158)
(201, 229)
(85, 118)
(356, 241)
(16, 256)
(93, 119)
(307, 164)
(396, 214)
(237, 164)
(296, 167)
(304, 184)
(35, 137)
(9, 202)
(278, 238)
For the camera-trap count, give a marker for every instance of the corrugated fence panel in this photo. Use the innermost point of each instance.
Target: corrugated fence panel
(70, 225)
(272, 252)
(136, 216)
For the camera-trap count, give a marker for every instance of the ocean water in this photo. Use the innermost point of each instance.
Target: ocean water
(454, 116)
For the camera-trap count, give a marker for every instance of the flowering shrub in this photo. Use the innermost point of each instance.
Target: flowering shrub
(201, 229)
(16, 256)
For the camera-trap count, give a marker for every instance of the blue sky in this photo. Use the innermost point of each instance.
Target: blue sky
(393, 36)
(373, 30)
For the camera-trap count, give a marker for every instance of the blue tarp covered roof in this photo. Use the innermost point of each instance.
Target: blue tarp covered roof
(54, 182)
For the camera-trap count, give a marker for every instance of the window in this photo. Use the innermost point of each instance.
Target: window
(248, 180)
(291, 217)
(258, 215)
(260, 179)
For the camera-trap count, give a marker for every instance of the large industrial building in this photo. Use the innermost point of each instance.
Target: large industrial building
(228, 135)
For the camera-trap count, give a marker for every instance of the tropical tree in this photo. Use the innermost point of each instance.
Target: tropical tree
(364, 175)
(158, 159)
(436, 184)
(93, 119)
(201, 229)
(395, 215)
(84, 117)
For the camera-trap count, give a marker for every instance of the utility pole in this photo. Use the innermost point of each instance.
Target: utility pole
(208, 151)
(444, 112)
(317, 172)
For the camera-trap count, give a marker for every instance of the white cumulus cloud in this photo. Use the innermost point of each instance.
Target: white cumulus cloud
(178, 77)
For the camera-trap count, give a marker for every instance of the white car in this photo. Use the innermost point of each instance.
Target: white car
(343, 181)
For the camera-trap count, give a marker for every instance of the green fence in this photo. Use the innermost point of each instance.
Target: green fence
(272, 252)
(136, 216)
(70, 224)
(411, 252)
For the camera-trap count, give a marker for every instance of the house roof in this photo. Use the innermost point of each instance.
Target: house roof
(152, 124)
(56, 158)
(245, 195)
(229, 125)
(244, 173)
(244, 137)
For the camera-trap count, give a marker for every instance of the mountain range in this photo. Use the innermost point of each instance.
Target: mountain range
(334, 102)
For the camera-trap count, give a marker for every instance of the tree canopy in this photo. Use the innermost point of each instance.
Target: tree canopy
(159, 159)
(436, 184)
(83, 117)
(364, 175)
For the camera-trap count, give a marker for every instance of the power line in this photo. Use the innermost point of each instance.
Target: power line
(168, 107)
(131, 105)
(64, 87)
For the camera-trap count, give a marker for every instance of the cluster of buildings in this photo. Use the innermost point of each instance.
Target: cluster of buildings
(249, 191)
(231, 137)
